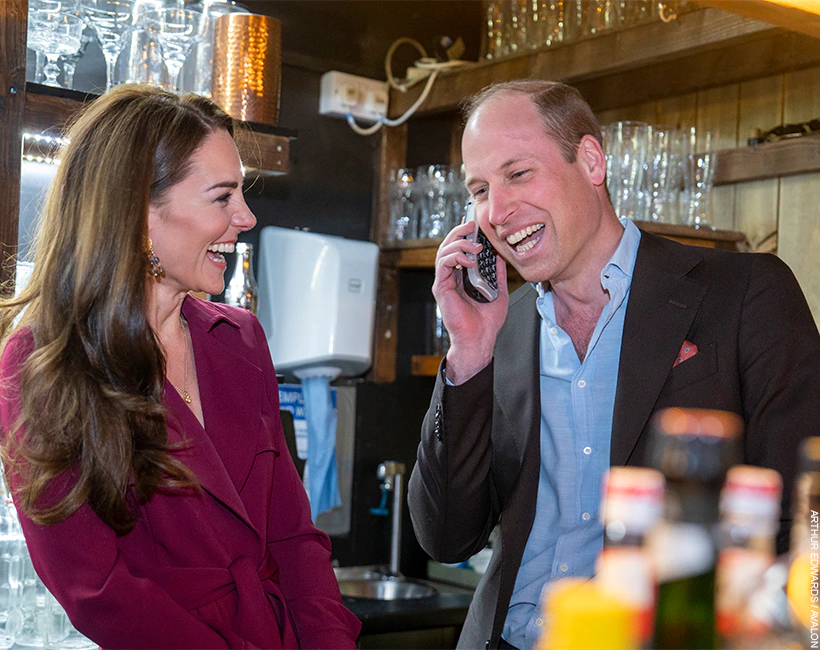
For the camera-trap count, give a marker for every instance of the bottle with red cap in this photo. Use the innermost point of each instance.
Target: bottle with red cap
(632, 505)
(750, 517)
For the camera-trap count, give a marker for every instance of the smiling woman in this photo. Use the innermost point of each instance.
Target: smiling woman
(141, 431)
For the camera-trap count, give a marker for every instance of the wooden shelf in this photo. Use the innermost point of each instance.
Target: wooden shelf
(701, 49)
(263, 147)
(424, 365)
(787, 157)
(421, 254)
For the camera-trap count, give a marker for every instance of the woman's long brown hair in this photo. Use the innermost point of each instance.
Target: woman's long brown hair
(91, 393)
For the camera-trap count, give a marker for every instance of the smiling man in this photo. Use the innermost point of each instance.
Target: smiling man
(543, 390)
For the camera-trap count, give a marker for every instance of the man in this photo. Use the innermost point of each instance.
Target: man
(543, 390)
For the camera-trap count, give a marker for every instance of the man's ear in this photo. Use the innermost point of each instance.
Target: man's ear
(591, 156)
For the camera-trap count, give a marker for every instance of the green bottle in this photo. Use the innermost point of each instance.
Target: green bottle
(693, 448)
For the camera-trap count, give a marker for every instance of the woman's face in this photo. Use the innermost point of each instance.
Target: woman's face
(200, 217)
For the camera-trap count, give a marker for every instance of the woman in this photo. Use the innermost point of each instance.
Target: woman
(143, 441)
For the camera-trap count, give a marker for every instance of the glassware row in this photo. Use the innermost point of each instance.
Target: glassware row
(517, 26)
(164, 42)
(660, 172)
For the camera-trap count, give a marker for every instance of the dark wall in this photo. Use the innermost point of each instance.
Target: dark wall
(388, 420)
(329, 185)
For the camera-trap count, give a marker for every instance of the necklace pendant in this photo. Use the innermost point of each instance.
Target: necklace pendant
(186, 397)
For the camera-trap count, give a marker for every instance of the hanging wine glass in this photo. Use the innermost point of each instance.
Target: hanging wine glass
(177, 30)
(70, 62)
(40, 60)
(55, 34)
(111, 19)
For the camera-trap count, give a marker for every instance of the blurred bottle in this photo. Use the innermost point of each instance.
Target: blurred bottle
(694, 449)
(803, 587)
(750, 517)
(632, 505)
(242, 290)
(11, 548)
(579, 614)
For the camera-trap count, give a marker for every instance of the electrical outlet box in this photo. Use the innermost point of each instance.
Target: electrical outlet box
(365, 99)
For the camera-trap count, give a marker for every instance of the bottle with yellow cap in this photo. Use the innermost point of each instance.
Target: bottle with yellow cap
(582, 615)
(693, 448)
(804, 579)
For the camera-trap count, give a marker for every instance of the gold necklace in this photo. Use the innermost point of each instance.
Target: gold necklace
(183, 391)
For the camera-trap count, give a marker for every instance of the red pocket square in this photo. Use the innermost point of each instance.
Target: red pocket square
(687, 350)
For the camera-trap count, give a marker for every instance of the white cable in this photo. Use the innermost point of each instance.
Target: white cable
(388, 59)
(425, 63)
(399, 120)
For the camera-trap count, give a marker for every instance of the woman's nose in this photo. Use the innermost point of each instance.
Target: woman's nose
(244, 219)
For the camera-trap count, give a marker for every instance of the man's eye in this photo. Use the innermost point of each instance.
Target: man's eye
(480, 192)
(519, 174)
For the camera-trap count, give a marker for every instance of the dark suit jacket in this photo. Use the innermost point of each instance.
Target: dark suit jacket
(238, 564)
(479, 458)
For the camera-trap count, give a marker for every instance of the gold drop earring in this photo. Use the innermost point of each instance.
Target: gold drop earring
(155, 269)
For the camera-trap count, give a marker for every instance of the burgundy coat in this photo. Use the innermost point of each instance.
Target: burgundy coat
(238, 564)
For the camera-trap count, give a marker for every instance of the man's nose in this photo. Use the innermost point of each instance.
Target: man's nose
(501, 205)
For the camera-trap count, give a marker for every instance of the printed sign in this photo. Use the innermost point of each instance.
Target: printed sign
(291, 399)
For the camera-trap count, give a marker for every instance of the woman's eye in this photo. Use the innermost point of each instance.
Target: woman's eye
(224, 198)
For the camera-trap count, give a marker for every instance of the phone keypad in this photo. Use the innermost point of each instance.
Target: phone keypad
(486, 260)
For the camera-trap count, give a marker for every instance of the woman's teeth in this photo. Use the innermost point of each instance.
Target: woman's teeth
(221, 248)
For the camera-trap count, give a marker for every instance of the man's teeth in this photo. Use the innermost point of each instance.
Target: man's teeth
(221, 248)
(523, 248)
(513, 239)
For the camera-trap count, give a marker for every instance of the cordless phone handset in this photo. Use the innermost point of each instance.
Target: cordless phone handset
(480, 281)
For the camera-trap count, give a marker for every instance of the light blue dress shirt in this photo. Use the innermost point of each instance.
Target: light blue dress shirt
(577, 402)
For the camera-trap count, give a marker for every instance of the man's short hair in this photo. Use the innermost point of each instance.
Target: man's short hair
(565, 114)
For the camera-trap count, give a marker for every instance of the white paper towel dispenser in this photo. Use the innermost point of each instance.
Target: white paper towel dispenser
(317, 301)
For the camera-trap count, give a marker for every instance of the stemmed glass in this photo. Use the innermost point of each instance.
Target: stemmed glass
(111, 19)
(42, 5)
(177, 31)
(55, 34)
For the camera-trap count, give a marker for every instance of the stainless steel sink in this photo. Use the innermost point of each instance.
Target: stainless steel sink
(375, 584)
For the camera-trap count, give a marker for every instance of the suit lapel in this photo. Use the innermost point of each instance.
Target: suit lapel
(517, 405)
(230, 389)
(662, 305)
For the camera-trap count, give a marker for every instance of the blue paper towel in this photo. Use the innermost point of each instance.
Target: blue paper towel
(323, 482)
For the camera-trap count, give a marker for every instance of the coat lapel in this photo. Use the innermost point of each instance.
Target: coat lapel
(663, 303)
(517, 406)
(230, 389)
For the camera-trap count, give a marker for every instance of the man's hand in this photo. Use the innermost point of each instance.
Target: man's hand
(472, 326)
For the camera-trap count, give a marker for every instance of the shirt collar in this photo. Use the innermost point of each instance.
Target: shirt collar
(206, 314)
(622, 259)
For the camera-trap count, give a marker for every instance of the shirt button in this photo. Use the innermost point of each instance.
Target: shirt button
(587, 450)
(553, 330)
(585, 516)
(581, 383)
(564, 568)
(539, 621)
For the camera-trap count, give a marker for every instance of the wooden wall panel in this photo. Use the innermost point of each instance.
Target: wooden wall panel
(761, 107)
(718, 111)
(799, 216)
(645, 112)
(679, 111)
(13, 15)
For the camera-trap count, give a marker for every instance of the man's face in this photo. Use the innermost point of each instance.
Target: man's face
(540, 212)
